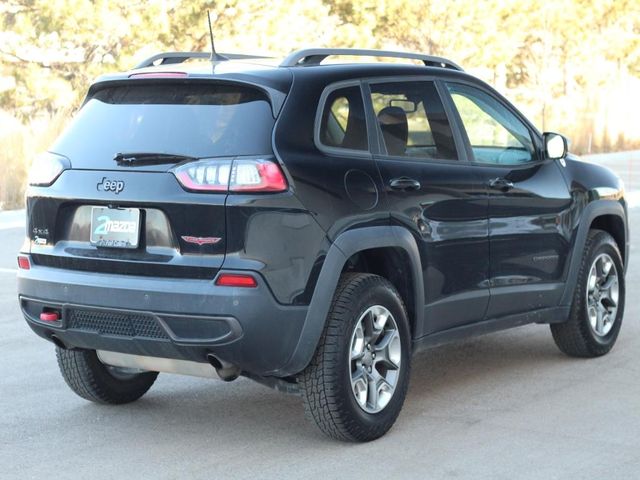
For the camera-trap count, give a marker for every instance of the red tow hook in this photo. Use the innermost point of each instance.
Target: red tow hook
(49, 316)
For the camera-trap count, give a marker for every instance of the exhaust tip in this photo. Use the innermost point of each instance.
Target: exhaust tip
(58, 343)
(225, 371)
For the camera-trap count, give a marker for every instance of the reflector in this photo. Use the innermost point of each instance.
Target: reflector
(23, 262)
(236, 280)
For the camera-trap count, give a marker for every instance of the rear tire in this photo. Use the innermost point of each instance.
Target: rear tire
(92, 380)
(348, 392)
(595, 319)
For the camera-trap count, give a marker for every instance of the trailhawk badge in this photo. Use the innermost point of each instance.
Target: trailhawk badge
(201, 240)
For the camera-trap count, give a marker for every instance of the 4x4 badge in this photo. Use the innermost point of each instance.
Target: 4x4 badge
(115, 186)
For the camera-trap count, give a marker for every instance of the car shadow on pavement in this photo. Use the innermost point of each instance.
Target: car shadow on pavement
(452, 380)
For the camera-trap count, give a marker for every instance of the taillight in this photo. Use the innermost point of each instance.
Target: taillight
(257, 176)
(239, 175)
(46, 168)
(204, 175)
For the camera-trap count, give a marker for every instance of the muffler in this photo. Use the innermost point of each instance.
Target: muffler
(225, 371)
(221, 371)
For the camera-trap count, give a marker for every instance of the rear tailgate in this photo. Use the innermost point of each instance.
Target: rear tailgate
(178, 233)
(181, 234)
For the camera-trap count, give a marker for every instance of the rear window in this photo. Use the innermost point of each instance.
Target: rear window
(198, 120)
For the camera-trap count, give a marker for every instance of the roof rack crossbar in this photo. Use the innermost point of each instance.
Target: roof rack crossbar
(168, 58)
(314, 56)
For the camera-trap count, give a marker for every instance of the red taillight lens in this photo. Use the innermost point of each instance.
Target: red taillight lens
(236, 280)
(257, 176)
(223, 175)
(23, 262)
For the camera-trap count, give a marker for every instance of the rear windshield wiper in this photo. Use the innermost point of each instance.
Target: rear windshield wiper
(149, 158)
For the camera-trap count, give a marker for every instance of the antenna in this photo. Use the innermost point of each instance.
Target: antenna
(214, 56)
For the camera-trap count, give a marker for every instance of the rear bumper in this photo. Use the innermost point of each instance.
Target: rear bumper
(163, 317)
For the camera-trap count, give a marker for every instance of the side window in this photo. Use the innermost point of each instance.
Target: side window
(412, 120)
(343, 122)
(496, 135)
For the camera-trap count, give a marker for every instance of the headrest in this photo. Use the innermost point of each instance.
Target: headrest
(395, 129)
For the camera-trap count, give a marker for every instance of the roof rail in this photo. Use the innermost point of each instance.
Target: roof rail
(314, 56)
(168, 58)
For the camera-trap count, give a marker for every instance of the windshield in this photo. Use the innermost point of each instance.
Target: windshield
(196, 120)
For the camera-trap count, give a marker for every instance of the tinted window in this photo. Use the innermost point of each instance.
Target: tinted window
(496, 135)
(412, 120)
(199, 120)
(343, 122)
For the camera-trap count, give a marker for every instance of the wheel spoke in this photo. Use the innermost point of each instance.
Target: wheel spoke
(608, 283)
(372, 392)
(384, 350)
(358, 374)
(360, 387)
(600, 320)
(600, 268)
(609, 302)
(358, 343)
(593, 280)
(382, 345)
(606, 266)
(369, 327)
(610, 292)
(375, 322)
(384, 391)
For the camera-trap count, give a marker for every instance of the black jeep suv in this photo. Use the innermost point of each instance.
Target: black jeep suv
(310, 226)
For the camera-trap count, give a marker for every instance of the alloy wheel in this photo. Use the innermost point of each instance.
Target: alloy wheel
(602, 294)
(375, 358)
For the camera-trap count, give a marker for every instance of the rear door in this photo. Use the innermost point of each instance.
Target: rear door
(135, 216)
(432, 191)
(529, 203)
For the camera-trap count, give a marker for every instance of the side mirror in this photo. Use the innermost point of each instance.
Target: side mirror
(555, 146)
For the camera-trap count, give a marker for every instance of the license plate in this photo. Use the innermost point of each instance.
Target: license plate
(115, 227)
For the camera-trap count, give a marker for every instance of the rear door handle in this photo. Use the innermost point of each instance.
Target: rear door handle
(404, 183)
(501, 184)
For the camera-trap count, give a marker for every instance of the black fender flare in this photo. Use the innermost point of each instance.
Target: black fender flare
(593, 210)
(345, 245)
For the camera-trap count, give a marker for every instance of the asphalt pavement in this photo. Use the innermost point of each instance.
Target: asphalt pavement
(502, 406)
